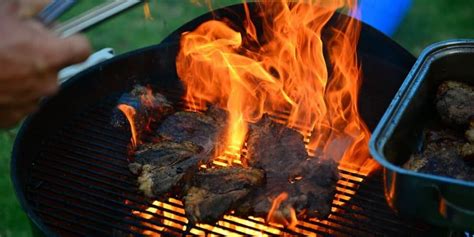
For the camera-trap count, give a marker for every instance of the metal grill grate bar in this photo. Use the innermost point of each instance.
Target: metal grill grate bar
(143, 203)
(63, 212)
(177, 213)
(105, 195)
(106, 211)
(66, 226)
(81, 179)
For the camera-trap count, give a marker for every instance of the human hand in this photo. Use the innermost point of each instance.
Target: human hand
(24, 8)
(30, 58)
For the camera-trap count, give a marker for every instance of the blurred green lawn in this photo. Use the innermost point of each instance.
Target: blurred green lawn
(427, 22)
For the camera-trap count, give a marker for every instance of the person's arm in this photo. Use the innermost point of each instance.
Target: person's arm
(30, 58)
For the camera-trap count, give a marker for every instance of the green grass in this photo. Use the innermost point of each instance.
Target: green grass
(428, 21)
(130, 30)
(13, 221)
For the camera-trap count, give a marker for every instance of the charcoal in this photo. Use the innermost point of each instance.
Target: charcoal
(455, 103)
(164, 166)
(310, 183)
(205, 130)
(214, 192)
(441, 155)
(149, 107)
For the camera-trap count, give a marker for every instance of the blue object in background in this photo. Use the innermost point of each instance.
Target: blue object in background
(384, 15)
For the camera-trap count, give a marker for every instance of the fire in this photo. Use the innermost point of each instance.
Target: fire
(142, 115)
(283, 69)
(130, 113)
(274, 215)
(171, 216)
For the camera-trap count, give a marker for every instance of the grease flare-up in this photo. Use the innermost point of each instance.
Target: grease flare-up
(283, 68)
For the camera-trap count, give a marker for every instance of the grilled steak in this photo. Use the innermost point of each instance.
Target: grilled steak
(165, 165)
(446, 151)
(149, 107)
(455, 103)
(204, 130)
(441, 156)
(184, 141)
(214, 192)
(309, 183)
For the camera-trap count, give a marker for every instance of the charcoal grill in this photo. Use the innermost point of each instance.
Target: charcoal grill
(69, 165)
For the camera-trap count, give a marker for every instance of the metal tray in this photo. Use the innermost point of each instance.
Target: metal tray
(441, 201)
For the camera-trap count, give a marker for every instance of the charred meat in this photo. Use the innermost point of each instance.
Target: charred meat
(149, 107)
(467, 150)
(455, 103)
(204, 130)
(164, 165)
(214, 192)
(441, 156)
(310, 184)
(446, 151)
(184, 140)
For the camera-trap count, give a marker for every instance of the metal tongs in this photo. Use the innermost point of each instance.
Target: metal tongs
(80, 23)
(83, 21)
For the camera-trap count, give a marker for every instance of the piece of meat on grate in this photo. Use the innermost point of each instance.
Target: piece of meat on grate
(184, 141)
(149, 107)
(310, 184)
(214, 192)
(165, 165)
(205, 130)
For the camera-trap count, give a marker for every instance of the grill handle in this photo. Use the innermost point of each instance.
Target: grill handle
(93, 16)
(66, 73)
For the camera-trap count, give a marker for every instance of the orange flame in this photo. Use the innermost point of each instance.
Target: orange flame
(129, 113)
(274, 216)
(283, 70)
(275, 205)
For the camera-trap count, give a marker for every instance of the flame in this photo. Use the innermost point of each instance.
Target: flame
(283, 70)
(275, 216)
(280, 70)
(143, 116)
(130, 113)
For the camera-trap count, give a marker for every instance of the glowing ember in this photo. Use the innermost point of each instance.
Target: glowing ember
(171, 215)
(129, 113)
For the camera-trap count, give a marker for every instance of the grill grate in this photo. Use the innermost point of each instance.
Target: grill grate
(80, 185)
